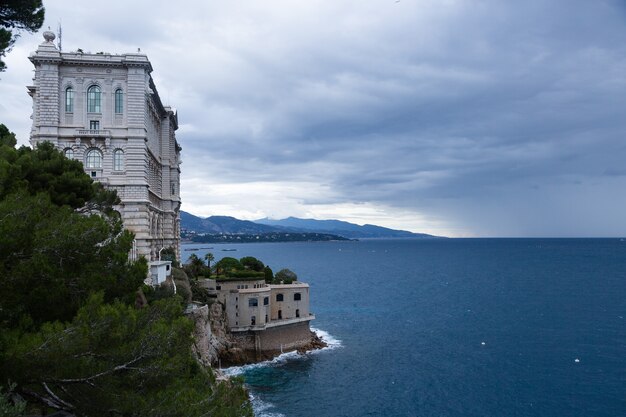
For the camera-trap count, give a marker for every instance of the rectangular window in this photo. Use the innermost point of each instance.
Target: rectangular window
(119, 101)
(266, 301)
(118, 160)
(297, 297)
(253, 302)
(94, 125)
(69, 100)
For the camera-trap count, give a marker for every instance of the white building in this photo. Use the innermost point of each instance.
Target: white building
(253, 305)
(104, 110)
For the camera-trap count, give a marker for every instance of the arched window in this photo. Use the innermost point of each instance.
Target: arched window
(94, 159)
(279, 297)
(297, 297)
(118, 160)
(69, 153)
(119, 101)
(94, 99)
(69, 100)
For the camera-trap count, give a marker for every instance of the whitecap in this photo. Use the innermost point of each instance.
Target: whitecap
(331, 341)
(278, 360)
(262, 408)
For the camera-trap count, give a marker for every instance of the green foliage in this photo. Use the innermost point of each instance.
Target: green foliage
(250, 262)
(60, 238)
(183, 288)
(209, 257)
(18, 15)
(246, 274)
(227, 265)
(7, 137)
(199, 293)
(195, 267)
(9, 406)
(51, 258)
(70, 336)
(285, 276)
(269, 274)
(163, 291)
(46, 170)
(113, 359)
(169, 254)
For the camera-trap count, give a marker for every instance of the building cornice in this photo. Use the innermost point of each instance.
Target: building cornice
(82, 59)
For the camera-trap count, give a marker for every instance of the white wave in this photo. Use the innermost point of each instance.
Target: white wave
(262, 408)
(331, 341)
(278, 360)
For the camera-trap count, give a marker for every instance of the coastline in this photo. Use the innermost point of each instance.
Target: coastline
(330, 342)
(216, 346)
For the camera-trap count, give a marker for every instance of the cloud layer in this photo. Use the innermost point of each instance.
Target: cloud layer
(449, 117)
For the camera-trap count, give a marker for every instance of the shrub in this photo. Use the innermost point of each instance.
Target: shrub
(169, 254)
(287, 276)
(269, 274)
(183, 287)
(250, 262)
(228, 264)
(245, 274)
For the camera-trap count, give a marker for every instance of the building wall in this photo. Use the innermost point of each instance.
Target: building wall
(236, 296)
(239, 311)
(274, 340)
(290, 308)
(148, 182)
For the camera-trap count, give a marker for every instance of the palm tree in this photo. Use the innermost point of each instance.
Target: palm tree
(209, 258)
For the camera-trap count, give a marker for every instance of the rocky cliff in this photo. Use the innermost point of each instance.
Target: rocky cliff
(215, 346)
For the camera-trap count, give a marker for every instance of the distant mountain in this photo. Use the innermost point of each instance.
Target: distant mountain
(231, 225)
(222, 224)
(338, 227)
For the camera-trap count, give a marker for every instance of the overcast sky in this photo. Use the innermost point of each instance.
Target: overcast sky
(451, 117)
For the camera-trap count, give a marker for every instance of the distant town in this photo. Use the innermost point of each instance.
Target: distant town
(226, 229)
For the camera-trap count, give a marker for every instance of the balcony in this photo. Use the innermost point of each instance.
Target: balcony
(97, 133)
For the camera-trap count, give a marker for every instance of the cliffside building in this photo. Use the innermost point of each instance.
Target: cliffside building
(266, 318)
(104, 110)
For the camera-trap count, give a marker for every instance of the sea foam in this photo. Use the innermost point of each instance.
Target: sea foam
(262, 408)
(331, 341)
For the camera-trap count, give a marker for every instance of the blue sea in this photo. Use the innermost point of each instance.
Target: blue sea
(451, 327)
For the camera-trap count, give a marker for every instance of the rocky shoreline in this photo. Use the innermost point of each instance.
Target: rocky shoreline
(216, 347)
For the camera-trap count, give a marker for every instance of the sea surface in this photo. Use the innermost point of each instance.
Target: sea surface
(451, 327)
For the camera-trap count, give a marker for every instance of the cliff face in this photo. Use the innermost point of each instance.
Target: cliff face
(211, 340)
(202, 335)
(214, 345)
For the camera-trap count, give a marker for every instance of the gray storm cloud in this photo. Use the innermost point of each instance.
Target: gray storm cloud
(489, 118)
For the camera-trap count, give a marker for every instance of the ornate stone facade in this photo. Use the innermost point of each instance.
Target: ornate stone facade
(104, 110)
